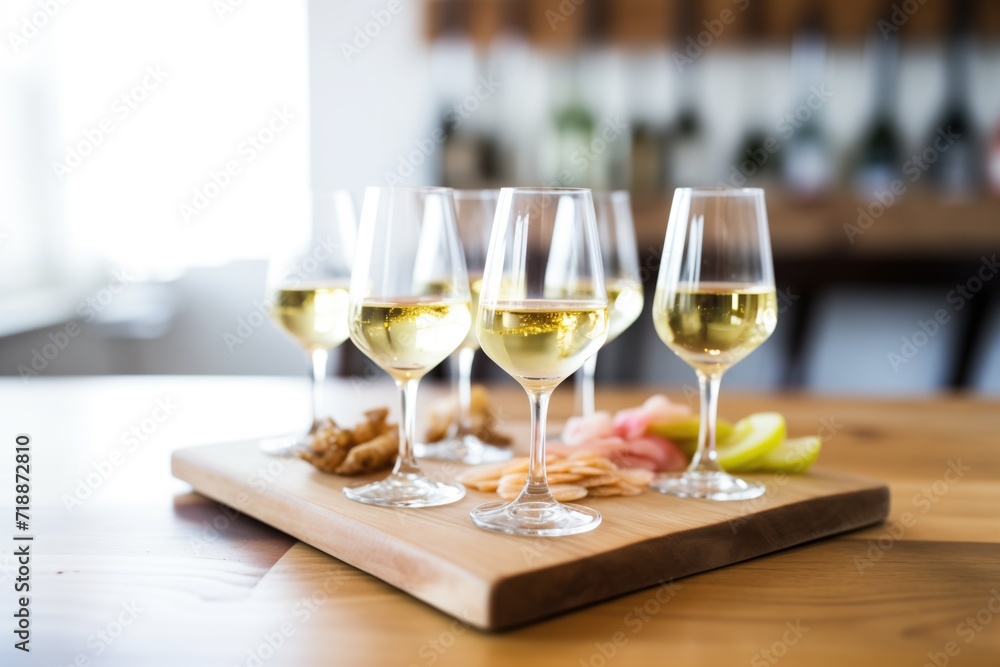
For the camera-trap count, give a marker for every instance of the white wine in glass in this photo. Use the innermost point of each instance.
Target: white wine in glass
(544, 243)
(714, 304)
(622, 281)
(475, 211)
(409, 310)
(308, 294)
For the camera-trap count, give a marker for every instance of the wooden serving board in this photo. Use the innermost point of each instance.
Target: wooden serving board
(494, 581)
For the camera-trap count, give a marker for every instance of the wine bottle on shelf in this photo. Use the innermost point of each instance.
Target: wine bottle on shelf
(757, 160)
(593, 149)
(955, 169)
(509, 58)
(460, 155)
(879, 162)
(687, 148)
(807, 166)
(993, 163)
(648, 78)
(481, 124)
(573, 125)
(646, 177)
(452, 60)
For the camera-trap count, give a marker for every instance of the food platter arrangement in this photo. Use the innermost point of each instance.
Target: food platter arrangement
(539, 279)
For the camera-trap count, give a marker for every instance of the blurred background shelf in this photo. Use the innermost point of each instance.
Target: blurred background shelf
(824, 103)
(915, 228)
(649, 22)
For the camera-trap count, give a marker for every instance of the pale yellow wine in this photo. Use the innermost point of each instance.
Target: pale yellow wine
(475, 287)
(625, 306)
(408, 337)
(715, 325)
(316, 316)
(541, 343)
(445, 287)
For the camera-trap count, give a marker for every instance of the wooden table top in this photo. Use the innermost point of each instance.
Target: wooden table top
(130, 568)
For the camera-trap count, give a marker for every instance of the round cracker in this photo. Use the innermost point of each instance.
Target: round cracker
(567, 492)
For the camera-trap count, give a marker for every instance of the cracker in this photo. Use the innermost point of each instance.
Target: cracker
(565, 493)
(606, 491)
(600, 480)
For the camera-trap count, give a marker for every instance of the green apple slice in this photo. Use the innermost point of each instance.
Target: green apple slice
(793, 456)
(683, 432)
(752, 437)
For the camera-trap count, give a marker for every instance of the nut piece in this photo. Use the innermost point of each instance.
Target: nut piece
(376, 454)
(369, 447)
(483, 420)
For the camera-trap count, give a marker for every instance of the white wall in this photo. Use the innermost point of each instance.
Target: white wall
(368, 108)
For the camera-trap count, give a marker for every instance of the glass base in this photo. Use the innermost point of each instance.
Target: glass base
(406, 490)
(465, 449)
(285, 445)
(708, 485)
(535, 518)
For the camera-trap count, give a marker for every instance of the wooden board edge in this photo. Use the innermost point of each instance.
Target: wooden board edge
(395, 555)
(508, 608)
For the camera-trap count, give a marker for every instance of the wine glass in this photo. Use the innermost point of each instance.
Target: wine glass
(714, 304)
(308, 295)
(621, 278)
(543, 311)
(409, 310)
(475, 210)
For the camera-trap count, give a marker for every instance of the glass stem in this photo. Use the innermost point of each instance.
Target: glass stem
(537, 480)
(466, 355)
(585, 387)
(405, 462)
(706, 460)
(320, 362)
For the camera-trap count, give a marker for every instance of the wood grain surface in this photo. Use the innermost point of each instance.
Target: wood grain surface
(494, 581)
(220, 589)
